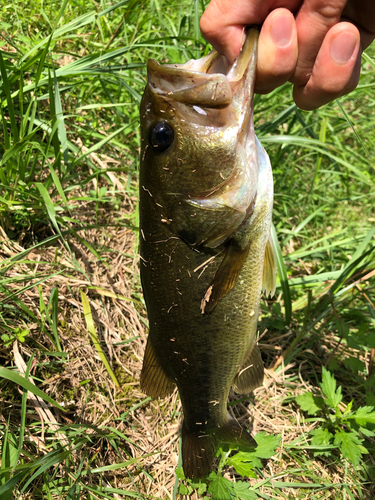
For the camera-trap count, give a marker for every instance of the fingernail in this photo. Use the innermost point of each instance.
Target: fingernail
(281, 30)
(343, 47)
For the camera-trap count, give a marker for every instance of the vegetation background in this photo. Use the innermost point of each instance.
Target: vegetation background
(73, 421)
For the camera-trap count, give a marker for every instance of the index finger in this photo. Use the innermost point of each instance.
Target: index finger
(223, 21)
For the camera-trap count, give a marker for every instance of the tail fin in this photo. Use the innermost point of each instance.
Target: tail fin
(198, 453)
(199, 450)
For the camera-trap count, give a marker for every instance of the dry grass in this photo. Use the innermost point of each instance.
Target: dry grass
(94, 404)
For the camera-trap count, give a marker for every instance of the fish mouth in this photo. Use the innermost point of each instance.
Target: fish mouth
(209, 82)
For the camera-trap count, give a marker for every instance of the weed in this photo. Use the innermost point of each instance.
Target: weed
(244, 463)
(340, 428)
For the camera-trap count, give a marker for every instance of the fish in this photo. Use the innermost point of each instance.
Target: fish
(205, 205)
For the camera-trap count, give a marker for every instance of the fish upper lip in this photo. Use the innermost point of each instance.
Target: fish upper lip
(196, 83)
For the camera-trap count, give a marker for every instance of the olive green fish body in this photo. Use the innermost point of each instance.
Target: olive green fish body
(205, 213)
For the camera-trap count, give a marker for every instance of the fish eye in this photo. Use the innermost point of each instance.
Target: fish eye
(161, 136)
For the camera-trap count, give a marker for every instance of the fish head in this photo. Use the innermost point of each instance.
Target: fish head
(198, 149)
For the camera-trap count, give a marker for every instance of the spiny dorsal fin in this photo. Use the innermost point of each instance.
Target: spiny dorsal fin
(154, 381)
(269, 268)
(250, 375)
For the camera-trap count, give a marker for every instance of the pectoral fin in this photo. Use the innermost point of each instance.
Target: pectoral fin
(154, 381)
(250, 375)
(226, 276)
(269, 268)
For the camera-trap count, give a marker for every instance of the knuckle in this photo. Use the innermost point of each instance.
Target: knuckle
(329, 12)
(204, 24)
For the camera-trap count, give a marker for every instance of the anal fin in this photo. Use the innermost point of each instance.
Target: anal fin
(269, 268)
(250, 375)
(154, 381)
(226, 276)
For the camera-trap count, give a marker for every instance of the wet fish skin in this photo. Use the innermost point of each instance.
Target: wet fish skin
(205, 215)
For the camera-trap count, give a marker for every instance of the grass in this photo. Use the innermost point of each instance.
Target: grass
(73, 422)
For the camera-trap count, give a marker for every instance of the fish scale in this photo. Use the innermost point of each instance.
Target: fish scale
(206, 199)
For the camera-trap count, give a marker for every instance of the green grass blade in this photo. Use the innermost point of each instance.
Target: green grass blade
(112, 8)
(23, 412)
(42, 62)
(105, 468)
(6, 87)
(283, 277)
(8, 486)
(302, 224)
(60, 119)
(366, 240)
(57, 184)
(50, 459)
(61, 12)
(49, 206)
(6, 462)
(100, 144)
(322, 139)
(350, 123)
(94, 337)
(328, 151)
(14, 150)
(23, 382)
(53, 304)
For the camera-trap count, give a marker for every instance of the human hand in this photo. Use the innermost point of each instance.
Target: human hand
(318, 48)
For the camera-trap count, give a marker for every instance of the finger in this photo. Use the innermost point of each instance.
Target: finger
(223, 21)
(278, 51)
(336, 70)
(314, 20)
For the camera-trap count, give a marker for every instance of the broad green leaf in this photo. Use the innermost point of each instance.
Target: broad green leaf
(242, 491)
(180, 473)
(310, 403)
(364, 415)
(199, 486)
(328, 385)
(183, 490)
(321, 437)
(350, 446)
(220, 488)
(366, 432)
(353, 363)
(266, 445)
(348, 409)
(244, 463)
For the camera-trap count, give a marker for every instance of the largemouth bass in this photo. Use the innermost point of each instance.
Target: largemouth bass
(206, 196)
